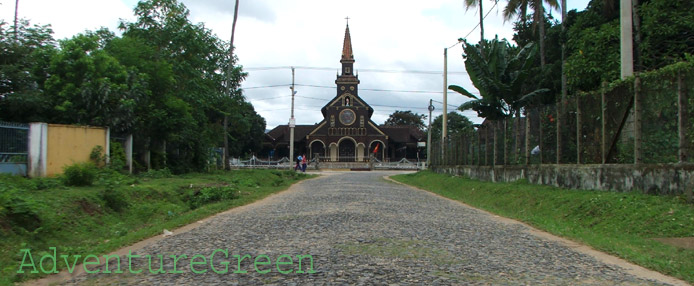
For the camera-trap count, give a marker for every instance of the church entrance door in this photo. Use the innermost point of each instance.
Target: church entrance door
(347, 151)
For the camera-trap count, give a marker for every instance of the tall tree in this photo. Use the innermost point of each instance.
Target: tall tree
(498, 71)
(458, 125)
(474, 3)
(400, 118)
(519, 8)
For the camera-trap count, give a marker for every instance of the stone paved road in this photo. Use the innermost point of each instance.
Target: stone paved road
(361, 229)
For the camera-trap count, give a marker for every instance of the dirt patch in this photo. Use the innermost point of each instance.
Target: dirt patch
(681, 242)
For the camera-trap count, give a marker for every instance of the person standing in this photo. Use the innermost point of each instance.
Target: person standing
(298, 163)
(303, 163)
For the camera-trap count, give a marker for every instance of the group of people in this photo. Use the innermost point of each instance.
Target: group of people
(301, 162)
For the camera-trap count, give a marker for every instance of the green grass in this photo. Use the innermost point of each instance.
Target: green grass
(622, 224)
(116, 211)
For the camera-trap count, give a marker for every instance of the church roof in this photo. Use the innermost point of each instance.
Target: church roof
(347, 47)
(402, 133)
(281, 132)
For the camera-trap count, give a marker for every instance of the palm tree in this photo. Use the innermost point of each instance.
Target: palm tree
(520, 8)
(473, 3)
(16, 7)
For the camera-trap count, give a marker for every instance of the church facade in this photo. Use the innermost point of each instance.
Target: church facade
(346, 133)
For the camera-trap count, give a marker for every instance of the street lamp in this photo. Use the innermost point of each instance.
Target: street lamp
(431, 108)
(292, 124)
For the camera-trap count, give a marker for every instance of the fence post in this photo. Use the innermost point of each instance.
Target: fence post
(128, 146)
(494, 124)
(578, 130)
(682, 117)
(527, 137)
(559, 115)
(539, 143)
(603, 142)
(637, 119)
(479, 145)
(37, 151)
(505, 141)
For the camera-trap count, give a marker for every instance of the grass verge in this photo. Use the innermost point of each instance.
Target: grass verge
(622, 224)
(116, 211)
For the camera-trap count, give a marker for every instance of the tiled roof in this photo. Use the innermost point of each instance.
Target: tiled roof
(402, 133)
(281, 132)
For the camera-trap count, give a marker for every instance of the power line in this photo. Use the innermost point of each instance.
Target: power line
(485, 17)
(358, 70)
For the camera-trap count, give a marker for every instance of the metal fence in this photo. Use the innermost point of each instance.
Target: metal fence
(14, 139)
(644, 119)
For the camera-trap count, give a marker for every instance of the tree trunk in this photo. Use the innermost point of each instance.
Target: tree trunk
(540, 20)
(16, 9)
(229, 85)
(637, 35)
(481, 24)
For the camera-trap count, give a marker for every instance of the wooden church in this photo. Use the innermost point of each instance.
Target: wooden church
(346, 133)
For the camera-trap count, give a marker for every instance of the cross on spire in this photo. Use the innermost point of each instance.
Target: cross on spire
(347, 18)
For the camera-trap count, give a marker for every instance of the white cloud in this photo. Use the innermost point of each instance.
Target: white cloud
(386, 35)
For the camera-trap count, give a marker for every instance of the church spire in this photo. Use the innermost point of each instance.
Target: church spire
(347, 46)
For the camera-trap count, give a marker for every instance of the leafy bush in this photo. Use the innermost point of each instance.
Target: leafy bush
(80, 174)
(18, 211)
(198, 198)
(156, 174)
(97, 156)
(116, 199)
(117, 156)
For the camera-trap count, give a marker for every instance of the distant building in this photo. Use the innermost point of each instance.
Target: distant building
(346, 133)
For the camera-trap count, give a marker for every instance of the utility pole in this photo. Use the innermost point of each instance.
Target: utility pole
(431, 108)
(444, 127)
(627, 40)
(292, 124)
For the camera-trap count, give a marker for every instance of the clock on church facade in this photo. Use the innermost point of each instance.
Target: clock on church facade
(347, 133)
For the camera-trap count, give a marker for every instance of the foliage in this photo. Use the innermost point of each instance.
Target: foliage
(80, 174)
(113, 213)
(117, 160)
(164, 81)
(457, 125)
(208, 195)
(498, 71)
(23, 69)
(406, 118)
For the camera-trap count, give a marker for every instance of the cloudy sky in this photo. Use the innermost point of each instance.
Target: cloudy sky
(398, 46)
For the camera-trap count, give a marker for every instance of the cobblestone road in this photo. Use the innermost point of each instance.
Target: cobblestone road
(361, 229)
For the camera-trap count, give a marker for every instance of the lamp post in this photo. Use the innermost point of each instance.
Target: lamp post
(292, 124)
(431, 108)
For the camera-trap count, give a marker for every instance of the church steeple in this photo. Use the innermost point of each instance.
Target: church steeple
(347, 55)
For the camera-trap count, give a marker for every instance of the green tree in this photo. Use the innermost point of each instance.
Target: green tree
(24, 61)
(498, 71)
(519, 8)
(400, 118)
(89, 86)
(458, 125)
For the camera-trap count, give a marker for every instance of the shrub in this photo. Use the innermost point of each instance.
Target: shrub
(115, 199)
(208, 195)
(116, 156)
(18, 211)
(156, 174)
(80, 174)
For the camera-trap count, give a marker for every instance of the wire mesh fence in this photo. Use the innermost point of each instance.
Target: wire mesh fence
(645, 119)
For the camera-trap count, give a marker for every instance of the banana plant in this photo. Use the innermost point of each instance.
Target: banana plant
(498, 71)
